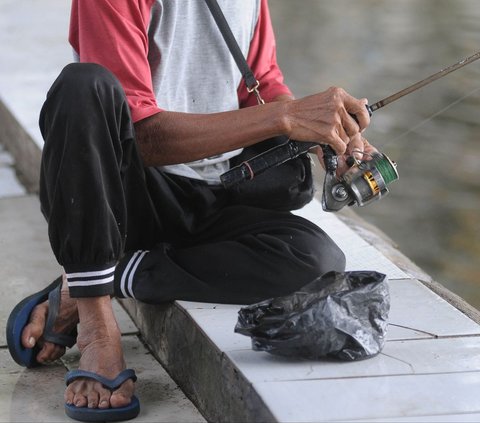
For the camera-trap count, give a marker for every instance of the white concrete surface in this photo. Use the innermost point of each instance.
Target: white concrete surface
(415, 396)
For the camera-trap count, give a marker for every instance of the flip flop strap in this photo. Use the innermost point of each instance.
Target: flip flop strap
(111, 384)
(65, 340)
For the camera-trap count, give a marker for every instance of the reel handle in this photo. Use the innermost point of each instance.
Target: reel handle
(329, 155)
(330, 158)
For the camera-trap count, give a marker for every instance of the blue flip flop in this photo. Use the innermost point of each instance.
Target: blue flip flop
(19, 318)
(86, 414)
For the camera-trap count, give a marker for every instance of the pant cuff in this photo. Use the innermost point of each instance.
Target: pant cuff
(97, 281)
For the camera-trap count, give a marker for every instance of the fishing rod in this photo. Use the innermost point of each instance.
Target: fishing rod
(365, 181)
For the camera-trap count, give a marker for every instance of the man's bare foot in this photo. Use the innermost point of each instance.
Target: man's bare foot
(99, 342)
(66, 321)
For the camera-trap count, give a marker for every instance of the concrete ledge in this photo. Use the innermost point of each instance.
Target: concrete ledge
(22, 147)
(458, 302)
(196, 364)
(229, 382)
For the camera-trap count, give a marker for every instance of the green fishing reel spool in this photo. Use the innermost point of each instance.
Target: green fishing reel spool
(366, 181)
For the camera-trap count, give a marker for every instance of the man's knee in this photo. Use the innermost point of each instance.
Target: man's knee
(303, 253)
(82, 85)
(83, 76)
(85, 92)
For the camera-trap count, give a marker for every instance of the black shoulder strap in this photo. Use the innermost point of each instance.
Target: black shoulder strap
(247, 74)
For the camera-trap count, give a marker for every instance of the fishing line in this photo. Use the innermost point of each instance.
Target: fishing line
(418, 125)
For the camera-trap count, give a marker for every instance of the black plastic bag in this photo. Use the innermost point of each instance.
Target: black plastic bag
(341, 315)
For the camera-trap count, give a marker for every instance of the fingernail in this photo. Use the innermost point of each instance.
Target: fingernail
(103, 403)
(31, 341)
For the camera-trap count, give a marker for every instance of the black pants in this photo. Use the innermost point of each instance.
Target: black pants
(117, 227)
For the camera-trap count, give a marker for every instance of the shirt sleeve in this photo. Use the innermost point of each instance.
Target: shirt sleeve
(262, 59)
(113, 33)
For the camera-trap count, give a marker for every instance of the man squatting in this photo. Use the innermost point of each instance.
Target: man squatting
(136, 135)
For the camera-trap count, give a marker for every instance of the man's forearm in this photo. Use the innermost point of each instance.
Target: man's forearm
(171, 137)
(326, 117)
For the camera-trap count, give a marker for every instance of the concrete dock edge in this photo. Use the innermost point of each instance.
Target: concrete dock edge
(206, 375)
(22, 147)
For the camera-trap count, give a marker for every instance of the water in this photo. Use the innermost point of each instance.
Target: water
(373, 48)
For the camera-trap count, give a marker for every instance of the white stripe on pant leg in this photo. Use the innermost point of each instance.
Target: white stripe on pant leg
(91, 282)
(91, 274)
(125, 272)
(130, 278)
(90, 279)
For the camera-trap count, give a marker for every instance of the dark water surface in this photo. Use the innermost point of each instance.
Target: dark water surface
(373, 48)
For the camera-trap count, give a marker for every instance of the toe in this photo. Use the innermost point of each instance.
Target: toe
(50, 352)
(80, 400)
(104, 398)
(68, 396)
(123, 395)
(33, 331)
(93, 399)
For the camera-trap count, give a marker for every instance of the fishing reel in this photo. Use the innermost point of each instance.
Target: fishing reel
(364, 182)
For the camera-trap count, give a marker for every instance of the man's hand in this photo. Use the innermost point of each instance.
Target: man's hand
(173, 137)
(327, 118)
(358, 147)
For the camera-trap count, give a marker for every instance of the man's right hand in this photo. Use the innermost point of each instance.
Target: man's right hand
(327, 118)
